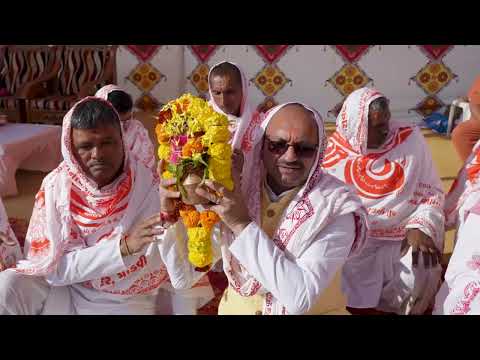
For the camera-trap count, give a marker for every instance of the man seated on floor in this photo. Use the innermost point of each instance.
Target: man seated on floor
(287, 228)
(89, 242)
(10, 251)
(391, 169)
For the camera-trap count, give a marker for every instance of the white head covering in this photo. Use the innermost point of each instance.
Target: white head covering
(136, 136)
(398, 181)
(237, 124)
(72, 213)
(319, 201)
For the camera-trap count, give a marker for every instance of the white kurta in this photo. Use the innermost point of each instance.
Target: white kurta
(400, 187)
(459, 294)
(380, 277)
(296, 283)
(65, 292)
(73, 240)
(104, 261)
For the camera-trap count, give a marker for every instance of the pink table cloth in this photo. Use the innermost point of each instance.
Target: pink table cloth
(29, 147)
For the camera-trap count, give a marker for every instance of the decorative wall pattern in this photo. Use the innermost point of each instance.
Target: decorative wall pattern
(418, 79)
(152, 74)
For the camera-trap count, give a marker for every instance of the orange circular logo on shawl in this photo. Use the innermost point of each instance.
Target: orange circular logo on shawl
(333, 155)
(374, 183)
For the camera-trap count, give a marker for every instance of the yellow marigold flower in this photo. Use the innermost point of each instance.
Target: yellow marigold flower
(200, 260)
(221, 172)
(198, 235)
(167, 175)
(177, 125)
(164, 151)
(221, 151)
(214, 119)
(186, 98)
(196, 107)
(216, 134)
(228, 183)
(194, 126)
(199, 246)
(204, 112)
(219, 168)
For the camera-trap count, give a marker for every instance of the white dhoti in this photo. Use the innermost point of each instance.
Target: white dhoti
(21, 294)
(380, 278)
(32, 295)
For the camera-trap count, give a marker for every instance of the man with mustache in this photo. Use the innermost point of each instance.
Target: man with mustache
(90, 246)
(287, 227)
(391, 169)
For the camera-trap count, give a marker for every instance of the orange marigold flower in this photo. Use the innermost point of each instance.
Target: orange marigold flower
(190, 218)
(164, 115)
(186, 207)
(187, 150)
(193, 146)
(197, 146)
(185, 104)
(208, 219)
(178, 108)
(161, 135)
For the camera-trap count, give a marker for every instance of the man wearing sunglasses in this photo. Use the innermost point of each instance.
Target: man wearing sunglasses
(391, 169)
(288, 227)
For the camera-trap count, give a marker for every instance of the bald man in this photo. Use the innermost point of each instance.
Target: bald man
(292, 226)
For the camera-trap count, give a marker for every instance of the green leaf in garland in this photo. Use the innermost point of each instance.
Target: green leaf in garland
(172, 168)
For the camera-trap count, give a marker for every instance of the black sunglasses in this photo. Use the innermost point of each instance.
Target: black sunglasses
(280, 147)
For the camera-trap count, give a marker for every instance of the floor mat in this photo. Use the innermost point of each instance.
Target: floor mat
(219, 283)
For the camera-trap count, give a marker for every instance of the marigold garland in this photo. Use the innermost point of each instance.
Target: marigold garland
(191, 135)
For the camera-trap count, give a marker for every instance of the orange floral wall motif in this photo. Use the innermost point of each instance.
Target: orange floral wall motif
(418, 79)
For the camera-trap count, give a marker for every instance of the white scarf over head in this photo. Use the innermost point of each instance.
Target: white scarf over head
(71, 213)
(136, 136)
(237, 125)
(396, 182)
(320, 200)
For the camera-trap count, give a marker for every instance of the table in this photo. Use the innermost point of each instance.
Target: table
(29, 147)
